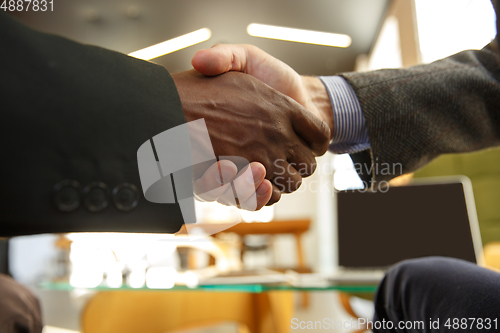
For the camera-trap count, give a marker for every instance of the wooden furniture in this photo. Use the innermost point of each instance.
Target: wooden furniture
(162, 312)
(295, 227)
(492, 256)
(345, 300)
(157, 311)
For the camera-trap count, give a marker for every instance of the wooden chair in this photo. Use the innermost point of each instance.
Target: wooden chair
(166, 311)
(294, 227)
(492, 256)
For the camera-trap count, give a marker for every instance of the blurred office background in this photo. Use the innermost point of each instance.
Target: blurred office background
(382, 33)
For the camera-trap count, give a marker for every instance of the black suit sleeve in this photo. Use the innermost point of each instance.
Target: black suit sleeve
(73, 117)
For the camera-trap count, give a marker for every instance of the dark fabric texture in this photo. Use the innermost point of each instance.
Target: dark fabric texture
(416, 114)
(77, 112)
(4, 256)
(438, 288)
(19, 308)
(413, 115)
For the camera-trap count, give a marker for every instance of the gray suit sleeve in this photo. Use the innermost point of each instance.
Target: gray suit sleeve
(415, 114)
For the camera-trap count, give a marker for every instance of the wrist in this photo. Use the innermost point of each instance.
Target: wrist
(319, 100)
(182, 86)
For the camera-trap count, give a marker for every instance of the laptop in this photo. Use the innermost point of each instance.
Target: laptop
(430, 217)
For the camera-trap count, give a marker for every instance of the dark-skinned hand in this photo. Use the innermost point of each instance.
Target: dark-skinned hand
(247, 118)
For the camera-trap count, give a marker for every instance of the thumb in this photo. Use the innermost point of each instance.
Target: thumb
(215, 181)
(220, 59)
(249, 59)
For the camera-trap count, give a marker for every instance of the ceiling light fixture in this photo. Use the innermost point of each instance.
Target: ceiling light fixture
(172, 45)
(298, 35)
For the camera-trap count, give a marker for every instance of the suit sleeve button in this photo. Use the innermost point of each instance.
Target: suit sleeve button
(67, 197)
(126, 197)
(96, 197)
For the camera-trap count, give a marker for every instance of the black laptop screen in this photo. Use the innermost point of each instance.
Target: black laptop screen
(380, 229)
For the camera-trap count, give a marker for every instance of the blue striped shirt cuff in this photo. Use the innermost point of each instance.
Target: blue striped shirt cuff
(350, 132)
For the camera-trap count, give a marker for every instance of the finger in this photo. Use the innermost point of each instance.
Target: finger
(215, 181)
(220, 59)
(289, 179)
(302, 159)
(244, 186)
(266, 194)
(314, 131)
(263, 194)
(275, 196)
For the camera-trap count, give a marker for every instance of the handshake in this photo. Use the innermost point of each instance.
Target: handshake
(256, 109)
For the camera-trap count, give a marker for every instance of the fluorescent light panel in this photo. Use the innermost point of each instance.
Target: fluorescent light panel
(298, 35)
(173, 44)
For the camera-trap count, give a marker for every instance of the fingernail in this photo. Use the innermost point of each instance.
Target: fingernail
(256, 175)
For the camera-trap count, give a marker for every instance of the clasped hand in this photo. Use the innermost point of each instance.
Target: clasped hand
(256, 110)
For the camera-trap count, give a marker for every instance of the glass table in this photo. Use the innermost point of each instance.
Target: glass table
(245, 288)
(257, 308)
